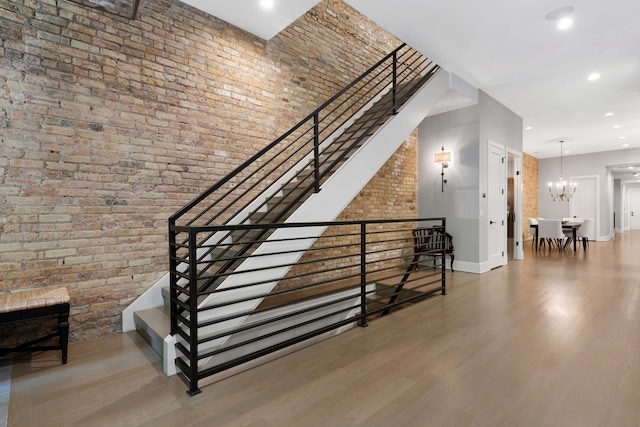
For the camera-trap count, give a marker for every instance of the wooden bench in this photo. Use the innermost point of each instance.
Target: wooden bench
(35, 304)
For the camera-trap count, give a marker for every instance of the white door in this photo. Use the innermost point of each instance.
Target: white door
(497, 205)
(584, 203)
(634, 208)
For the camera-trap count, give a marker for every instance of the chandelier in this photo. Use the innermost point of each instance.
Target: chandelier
(562, 190)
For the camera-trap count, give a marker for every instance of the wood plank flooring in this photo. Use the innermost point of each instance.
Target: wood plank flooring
(549, 341)
(5, 389)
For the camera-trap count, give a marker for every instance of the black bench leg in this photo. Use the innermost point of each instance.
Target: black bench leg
(63, 330)
(452, 258)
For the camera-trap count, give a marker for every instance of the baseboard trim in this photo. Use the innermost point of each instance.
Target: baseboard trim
(471, 267)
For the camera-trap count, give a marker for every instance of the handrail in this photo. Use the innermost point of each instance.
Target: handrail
(263, 151)
(313, 116)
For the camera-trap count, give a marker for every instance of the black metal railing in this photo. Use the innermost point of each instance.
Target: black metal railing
(218, 241)
(270, 185)
(309, 147)
(339, 274)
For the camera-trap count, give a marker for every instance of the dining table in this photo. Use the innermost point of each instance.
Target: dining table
(566, 225)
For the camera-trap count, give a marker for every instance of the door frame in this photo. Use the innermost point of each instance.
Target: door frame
(518, 250)
(503, 208)
(596, 178)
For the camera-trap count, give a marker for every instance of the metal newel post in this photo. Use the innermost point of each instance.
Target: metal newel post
(363, 275)
(173, 279)
(193, 314)
(316, 151)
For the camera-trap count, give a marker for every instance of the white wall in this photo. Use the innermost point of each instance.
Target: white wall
(618, 207)
(503, 126)
(464, 132)
(458, 132)
(583, 165)
(609, 201)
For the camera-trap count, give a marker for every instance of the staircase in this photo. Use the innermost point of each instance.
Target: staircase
(307, 176)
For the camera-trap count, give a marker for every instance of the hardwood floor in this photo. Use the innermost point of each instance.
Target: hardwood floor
(549, 341)
(5, 379)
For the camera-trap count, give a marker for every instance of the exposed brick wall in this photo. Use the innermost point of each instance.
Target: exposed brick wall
(108, 126)
(391, 194)
(529, 192)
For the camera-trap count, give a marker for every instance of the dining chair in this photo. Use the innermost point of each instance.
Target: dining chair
(550, 231)
(533, 225)
(583, 232)
(568, 232)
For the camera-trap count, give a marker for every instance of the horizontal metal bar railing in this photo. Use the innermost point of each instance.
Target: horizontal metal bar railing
(206, 260)
(288, 148)
(352, 273)
(268, 168)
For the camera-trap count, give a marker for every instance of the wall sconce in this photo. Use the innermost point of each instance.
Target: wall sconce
(443, 158)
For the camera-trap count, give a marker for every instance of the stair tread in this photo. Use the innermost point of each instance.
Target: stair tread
(156, 319)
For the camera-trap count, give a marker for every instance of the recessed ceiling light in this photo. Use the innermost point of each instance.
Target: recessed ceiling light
(622, 137)
(625, 145)
(629, 167)
(593, 76)
(567, 152)
(528, 128)
(267, 4)
(609, 114)
(559, 13)
(616, 126)
(565, 23)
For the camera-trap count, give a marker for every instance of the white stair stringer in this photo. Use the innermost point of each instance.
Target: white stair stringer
(337, 192)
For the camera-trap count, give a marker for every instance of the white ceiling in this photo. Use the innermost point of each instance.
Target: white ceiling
(509, 50)
(251, 17)
(627, 173)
